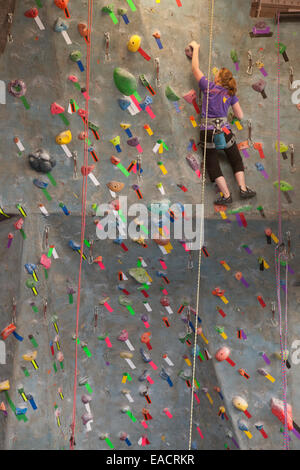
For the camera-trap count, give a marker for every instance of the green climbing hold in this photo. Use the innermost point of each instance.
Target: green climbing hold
(125, 81)
(284, 186)
(239, 209)
(139, 274)
(170, 94)
(219, 329)
(31, 283)
(282, 47)
(75, 56)
(144, 80)
(282, 147)
(185, 337)
(234, 56)
(108, 9)
(93, 126)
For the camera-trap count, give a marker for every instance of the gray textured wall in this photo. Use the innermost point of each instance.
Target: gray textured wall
(41, 59)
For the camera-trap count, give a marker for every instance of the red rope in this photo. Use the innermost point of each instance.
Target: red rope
(279, 257)
(83, 214)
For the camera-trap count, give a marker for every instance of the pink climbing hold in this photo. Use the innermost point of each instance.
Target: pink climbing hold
(277, 408)
(19, 224)
(60, 356)
(123, 336)
(45, 261)
(73, 78)
(222, 354)
(56, 108)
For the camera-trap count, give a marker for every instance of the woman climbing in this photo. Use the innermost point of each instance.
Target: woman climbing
(222, 95)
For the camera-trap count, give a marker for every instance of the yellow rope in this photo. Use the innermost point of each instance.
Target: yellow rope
(202, 200)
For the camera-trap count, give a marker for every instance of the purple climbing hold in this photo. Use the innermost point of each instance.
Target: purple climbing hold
(193, 161)
(144, 317)
(259, 86)
(86, 399)
(86, 418)
(133, 142)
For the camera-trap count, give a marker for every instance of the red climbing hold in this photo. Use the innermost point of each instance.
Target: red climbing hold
(31, 13)
(86, 170)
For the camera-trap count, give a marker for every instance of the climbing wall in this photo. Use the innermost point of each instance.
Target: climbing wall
(132, 393)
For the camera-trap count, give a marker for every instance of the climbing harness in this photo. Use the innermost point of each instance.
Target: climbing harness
(218, 136)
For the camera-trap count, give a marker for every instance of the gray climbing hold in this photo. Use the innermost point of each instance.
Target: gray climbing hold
(139, 274)
(124, 300)
(41, 161)
(60, 25)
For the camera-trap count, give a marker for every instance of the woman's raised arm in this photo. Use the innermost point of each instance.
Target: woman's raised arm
(198, 74)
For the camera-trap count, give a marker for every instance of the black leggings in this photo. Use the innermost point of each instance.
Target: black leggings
(212, 161)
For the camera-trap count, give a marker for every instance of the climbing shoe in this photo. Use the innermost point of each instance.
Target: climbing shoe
(223, 201)
(247, 194)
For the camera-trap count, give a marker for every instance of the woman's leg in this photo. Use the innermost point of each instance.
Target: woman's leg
(240, 178)
(236, 162)
(213, 167)
(222, 185)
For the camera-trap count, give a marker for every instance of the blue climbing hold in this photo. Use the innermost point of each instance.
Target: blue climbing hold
(74, 245)
(124, 104)
(30, 268)
(40, 184)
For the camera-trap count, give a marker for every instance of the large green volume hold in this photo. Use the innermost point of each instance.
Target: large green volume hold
(125, 81)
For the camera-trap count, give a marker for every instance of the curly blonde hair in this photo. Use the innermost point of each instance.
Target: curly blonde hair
(227, 81)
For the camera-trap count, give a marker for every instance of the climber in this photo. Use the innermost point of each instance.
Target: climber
(222, 95)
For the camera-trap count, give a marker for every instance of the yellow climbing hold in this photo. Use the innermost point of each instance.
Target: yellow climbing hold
(30, 356)
(64, 138)
(4, 385)
(134, 43)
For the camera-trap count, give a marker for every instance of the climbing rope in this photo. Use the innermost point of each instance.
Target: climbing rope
(83, 213)
(202, 201)
(279, 255)
(283, 336)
